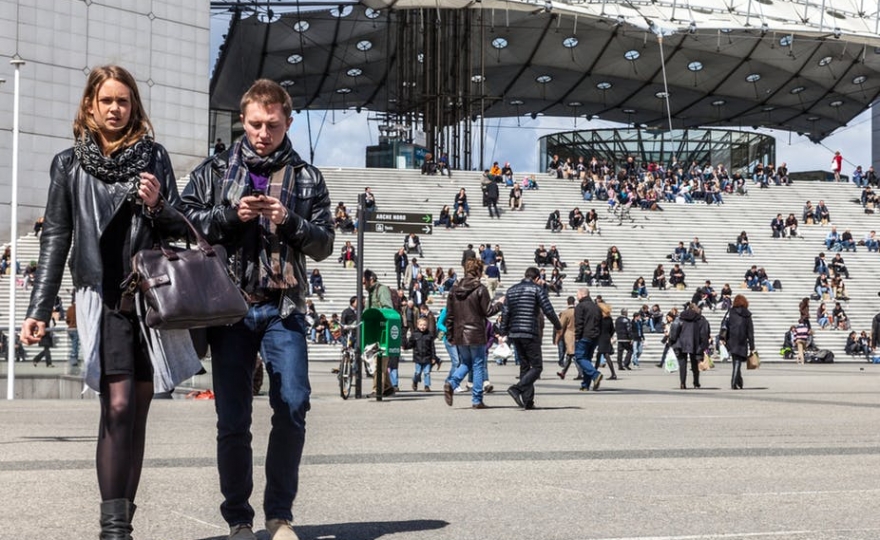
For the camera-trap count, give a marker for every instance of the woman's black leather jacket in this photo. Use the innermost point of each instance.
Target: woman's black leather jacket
(78, 210)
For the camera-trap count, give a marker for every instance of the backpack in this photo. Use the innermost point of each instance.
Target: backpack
(731, 247)
(777, 285)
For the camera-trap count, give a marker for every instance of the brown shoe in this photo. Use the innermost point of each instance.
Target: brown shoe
(447, 393)
(479, 405)
(415, 387)
(280, 529)
(427, 389)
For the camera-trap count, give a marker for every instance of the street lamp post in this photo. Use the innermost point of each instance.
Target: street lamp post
(13, 210)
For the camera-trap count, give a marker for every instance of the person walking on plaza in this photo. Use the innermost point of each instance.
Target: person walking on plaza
(587, 316)
(740, 338)
(467, 309)
(565, 340)
(604, 345)
(112, 193)
(523, 324)
(271, 210)
(623, 329)
(690, 340)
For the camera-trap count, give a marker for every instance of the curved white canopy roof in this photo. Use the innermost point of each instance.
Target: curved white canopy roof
(804, 66)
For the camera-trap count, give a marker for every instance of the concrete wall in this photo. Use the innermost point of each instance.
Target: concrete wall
(164, 43)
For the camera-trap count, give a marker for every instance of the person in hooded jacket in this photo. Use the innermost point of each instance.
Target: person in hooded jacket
(740, 338)
(691, 341)
(466, 311)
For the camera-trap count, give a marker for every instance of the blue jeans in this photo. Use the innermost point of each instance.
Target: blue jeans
(73, 336)
(282, 344)
(452, 351)
(637, 351)
(583, 355)
(744, 247)
(473, 360)
(423, 373)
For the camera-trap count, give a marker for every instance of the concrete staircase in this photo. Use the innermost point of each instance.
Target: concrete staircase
(644, 243)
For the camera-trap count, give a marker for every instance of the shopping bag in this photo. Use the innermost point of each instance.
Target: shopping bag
(753, 361)
(503, 351)
(670, 362)
(723, 353)
(706, 364)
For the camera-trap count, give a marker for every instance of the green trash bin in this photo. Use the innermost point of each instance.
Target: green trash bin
(382, 326)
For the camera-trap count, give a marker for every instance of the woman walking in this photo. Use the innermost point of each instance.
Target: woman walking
(111, 196)
(689, 341)
(740, 338)
(466, 311)
(604, 348)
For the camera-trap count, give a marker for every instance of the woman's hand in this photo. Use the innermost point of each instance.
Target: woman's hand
(148, 189)
(32, 331)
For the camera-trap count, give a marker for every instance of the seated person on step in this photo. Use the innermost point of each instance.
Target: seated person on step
(682, 255)
(751, 277)
(676, 277)
(585, 273)
(542, 256)
(554, 223)
(603, 275)
(777, 226)
(832, 240)
(791, 226)
(822, 215)
(839, 266)
(659, 278)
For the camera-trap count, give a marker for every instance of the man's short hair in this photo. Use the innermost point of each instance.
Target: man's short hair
(353, 299)
(369, 275)
(532, 272)
(267, 92)
(570, 300)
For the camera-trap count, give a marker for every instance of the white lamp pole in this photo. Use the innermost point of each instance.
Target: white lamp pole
(13, 210)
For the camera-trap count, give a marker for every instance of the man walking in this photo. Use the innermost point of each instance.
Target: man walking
(270, 210)
(523, 324)
(586, 331)
(623, 329)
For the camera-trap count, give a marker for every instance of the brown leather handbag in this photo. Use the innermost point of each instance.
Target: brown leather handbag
(183, 288)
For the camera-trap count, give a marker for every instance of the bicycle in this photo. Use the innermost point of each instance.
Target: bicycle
(346, 372)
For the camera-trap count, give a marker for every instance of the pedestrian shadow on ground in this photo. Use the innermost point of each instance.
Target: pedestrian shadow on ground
(371, 530)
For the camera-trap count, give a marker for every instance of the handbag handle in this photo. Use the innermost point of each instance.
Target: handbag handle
(203, 244)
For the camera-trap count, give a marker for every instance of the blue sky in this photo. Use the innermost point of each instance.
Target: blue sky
(340, 138)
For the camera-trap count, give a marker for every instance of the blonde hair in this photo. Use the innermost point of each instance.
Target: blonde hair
(606, 309)
(138, 123)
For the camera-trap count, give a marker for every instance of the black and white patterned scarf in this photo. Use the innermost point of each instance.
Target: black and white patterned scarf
(124, 165)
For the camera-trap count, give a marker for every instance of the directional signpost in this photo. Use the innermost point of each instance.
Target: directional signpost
(400, 222)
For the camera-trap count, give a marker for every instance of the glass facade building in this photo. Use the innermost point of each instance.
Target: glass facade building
(739, 151)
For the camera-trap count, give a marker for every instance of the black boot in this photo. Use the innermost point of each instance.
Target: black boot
(116, 517)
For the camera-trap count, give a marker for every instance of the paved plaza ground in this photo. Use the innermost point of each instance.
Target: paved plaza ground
(793, 456)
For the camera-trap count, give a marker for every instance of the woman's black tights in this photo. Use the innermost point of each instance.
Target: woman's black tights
(125, 404)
